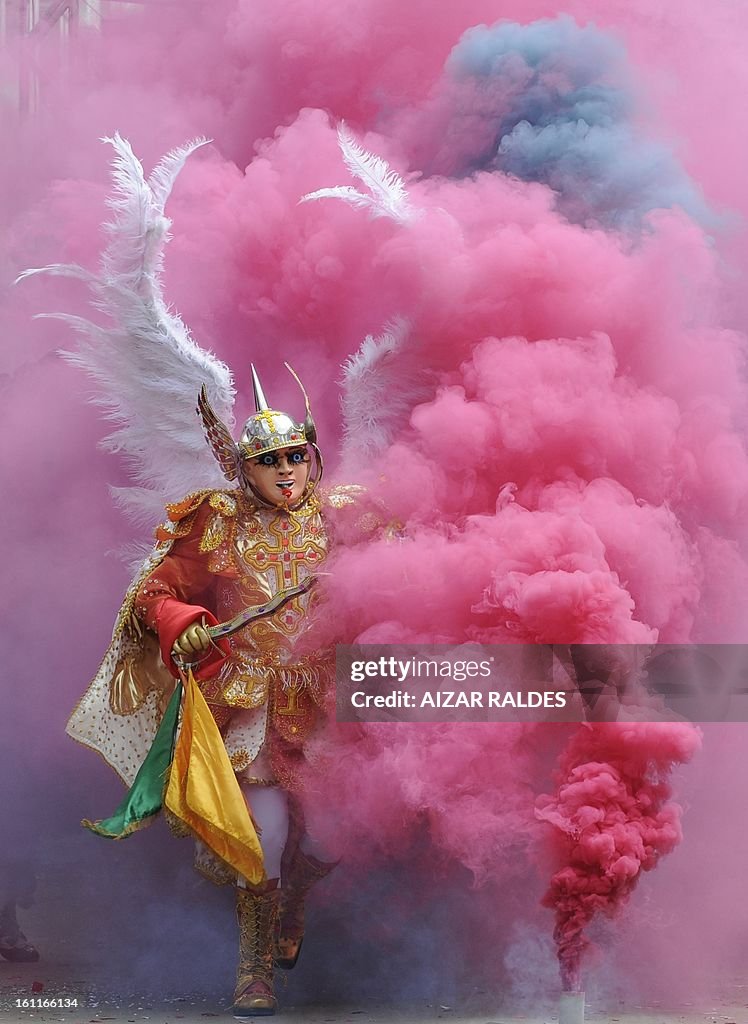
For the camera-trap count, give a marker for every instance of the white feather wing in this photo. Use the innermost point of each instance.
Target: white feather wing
(381, 384)
(146, 367)
(387, 195)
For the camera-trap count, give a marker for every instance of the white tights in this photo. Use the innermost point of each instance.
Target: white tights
(268, 806)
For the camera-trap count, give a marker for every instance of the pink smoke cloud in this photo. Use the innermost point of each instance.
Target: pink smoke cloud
(598, 371)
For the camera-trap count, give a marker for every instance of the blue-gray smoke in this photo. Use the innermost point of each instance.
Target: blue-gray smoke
(552, 105)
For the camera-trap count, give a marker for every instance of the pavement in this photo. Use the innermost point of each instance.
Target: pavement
(71, 996)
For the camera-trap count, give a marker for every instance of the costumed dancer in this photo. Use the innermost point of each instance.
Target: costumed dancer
(222, 604)
(227, 551)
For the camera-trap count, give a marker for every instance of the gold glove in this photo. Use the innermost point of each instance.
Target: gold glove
(193, 640)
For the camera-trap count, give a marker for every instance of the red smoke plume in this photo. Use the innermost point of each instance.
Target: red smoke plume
(613, 817)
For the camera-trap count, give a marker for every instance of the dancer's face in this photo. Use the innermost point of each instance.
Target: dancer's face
(279, 477)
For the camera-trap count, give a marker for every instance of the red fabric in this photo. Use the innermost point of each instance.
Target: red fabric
(176, 594)
(172, 619)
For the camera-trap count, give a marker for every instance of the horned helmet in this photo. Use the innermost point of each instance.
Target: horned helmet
(267, 430)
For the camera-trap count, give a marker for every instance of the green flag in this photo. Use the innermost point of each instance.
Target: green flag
(143, 800)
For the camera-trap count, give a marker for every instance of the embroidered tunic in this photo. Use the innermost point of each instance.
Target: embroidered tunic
(230, 553)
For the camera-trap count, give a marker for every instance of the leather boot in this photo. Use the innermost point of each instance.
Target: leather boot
(257, 912)
(302, 872)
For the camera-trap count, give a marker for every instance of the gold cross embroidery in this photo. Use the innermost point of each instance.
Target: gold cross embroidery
(284, 548)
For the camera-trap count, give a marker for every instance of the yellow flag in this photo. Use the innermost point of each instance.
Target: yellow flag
(203, 792)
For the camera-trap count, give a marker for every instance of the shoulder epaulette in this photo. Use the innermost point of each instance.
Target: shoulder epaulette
(345, 494)
(179, 515)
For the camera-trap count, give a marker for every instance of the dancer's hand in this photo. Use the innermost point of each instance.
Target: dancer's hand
(193, 640)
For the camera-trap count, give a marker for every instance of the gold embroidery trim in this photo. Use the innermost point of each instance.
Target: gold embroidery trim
(224, 503)
(213, 534)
